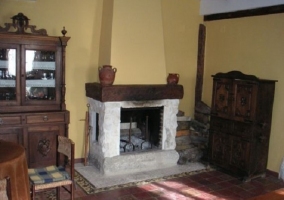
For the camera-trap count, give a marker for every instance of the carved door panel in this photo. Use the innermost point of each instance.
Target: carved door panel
(240, 153)
(221, 149)
(222, 98)
(42, 142)
(244, 100)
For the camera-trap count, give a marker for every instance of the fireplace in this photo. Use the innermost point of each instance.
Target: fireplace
(133, 106)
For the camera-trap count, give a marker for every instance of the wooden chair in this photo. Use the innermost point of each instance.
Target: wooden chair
(5, 189)
(57, 175)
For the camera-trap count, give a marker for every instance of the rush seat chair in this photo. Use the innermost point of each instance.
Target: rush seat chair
(56, 176)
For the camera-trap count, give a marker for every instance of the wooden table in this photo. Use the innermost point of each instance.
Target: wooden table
(13, 163)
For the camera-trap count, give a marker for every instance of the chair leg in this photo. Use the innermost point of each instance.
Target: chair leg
(72, 191)
(33, 192)
(58, 193)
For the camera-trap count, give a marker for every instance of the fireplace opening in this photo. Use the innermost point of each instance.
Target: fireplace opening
(140, 129)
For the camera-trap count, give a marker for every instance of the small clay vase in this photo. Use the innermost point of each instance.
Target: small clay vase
(172, 79)
(107, 75)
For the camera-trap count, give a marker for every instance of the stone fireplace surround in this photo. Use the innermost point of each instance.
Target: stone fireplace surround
(107, 101)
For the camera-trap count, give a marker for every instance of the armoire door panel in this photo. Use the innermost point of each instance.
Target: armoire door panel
(244, 101)
(240, 153)
(222, 96)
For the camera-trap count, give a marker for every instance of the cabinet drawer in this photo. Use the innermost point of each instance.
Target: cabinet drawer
(46, 118)
(13, 120)
(220, 125)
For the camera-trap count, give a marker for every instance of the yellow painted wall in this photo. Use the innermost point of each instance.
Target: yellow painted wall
(137, 49)
(181, 21)
(253, 45)
(167, 32)
(106, 33)
(82, 22)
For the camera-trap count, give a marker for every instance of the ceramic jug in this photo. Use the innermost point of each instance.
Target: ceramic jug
(107, 75)
(172, 79)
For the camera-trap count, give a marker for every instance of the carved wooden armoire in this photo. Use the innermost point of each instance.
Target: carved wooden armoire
(32, 89)
(240, 123)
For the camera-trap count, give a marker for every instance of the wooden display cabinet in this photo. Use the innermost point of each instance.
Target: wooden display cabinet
(32, 89)
(240, 123)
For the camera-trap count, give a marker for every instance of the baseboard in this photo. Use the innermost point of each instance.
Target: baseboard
(272, 173)
(79, 160)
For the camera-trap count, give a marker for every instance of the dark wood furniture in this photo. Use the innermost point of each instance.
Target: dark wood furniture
(133, 92)
(13, 164)
(240, 123)
(32, 89)
(246, 13)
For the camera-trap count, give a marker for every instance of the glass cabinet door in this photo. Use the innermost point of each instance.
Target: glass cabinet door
(8, 74)
(40, 75)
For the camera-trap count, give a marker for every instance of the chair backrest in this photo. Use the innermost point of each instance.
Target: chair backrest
(5, 189)
(65, 146)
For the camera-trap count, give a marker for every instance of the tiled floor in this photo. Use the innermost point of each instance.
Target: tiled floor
(211, 185)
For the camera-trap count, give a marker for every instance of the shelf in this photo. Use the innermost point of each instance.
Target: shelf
(40, 83)
(4, 64)
(36, 65)
(44, 65)
(7, 83)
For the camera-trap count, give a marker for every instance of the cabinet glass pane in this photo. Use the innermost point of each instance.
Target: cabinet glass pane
(40, 75)
(7, 74)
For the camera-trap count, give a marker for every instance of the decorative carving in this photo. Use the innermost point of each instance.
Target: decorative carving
(64, 31)
(20, 22)
(221, 97)
(243, 101)
(43, 147)
(225, 109)
(236, 75)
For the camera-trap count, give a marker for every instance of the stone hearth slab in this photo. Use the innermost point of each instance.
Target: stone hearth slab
(137, 162)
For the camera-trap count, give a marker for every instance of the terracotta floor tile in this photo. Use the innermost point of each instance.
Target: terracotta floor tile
(214, 185)
(142, 195)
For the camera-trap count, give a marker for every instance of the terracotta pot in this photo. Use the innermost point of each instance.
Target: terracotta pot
(107, 75)
(173, 79)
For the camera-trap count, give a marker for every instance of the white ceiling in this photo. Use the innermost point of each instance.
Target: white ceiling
(208, 7)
